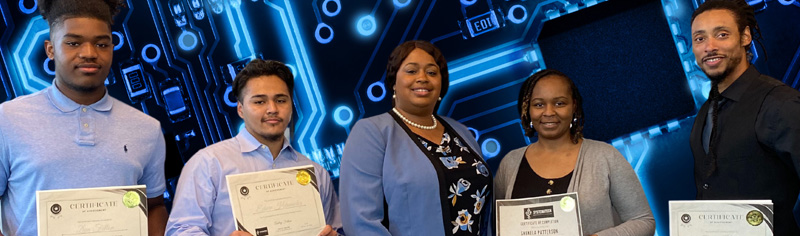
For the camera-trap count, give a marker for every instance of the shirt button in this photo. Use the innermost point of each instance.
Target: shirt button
(84, 109)
(85, 125)
(705, 186)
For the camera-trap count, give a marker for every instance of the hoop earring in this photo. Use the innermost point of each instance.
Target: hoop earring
(531, 124)
(574, 120)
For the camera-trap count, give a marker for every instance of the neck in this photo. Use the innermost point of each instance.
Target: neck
(419, 117)
(81, 97)
(555, 145)
(735, 74)
(275, 145)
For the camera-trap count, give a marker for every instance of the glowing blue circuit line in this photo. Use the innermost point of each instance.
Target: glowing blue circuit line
(246, 34)
(791, 66)
(369, 64)
(454, 33)
(490, 70)
(485, 59)
(10, 89)
(307, 76)
(424, 19)
(310, 77)
(316, 11)
(410, 22)
(534, 13)
(640, 160)
(202, 109)
(500, 126)
(125, 27)
(492, 90)
(486, 112)
(207, 139)
(26, 67)
(375, 9)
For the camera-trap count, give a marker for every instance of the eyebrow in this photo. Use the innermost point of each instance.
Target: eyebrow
(280, 95)
(718, 28)
(99, 37)
(417, 64)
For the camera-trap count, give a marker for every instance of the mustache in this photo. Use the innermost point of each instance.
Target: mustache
(712, 54)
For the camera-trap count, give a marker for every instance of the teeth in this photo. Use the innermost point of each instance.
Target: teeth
(713, 59)
(420, 90)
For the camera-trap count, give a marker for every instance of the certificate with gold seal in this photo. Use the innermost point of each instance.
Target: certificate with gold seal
(556, 214)
(720, 217)
(277, 202)
(116, 211)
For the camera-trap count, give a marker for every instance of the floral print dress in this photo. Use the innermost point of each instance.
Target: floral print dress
(467, 180)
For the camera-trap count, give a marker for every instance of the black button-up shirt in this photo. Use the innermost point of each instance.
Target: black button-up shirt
(757, 146)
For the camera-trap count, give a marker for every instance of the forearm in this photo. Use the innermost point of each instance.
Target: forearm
(157, 216)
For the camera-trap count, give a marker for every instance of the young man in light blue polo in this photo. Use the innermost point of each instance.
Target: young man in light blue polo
(73, 134)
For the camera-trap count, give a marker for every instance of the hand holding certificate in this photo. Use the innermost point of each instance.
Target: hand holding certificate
(277, 202)
(546, 215)
(92, 211)
(728, 217)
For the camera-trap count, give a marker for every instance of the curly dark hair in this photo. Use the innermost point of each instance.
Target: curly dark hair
(743, 13)
(56, 11)
(524, 100)
(258, 67)
(400, 53)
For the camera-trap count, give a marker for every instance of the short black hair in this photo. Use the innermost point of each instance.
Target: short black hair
(56, 11)
(743, 14)
(400, 53)
(258, 67)
(524, 100)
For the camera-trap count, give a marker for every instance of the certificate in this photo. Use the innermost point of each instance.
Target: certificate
(546, 215)
(114, 211)
(277, 202)
(718, 217)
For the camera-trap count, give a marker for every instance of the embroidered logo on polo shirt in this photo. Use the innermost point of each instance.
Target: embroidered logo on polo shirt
(125, 147)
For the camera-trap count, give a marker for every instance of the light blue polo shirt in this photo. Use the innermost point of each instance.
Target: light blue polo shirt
(47, 141)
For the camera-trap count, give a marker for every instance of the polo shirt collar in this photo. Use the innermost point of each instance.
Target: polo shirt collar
(65, 104)
(739, 87)
(248, 143)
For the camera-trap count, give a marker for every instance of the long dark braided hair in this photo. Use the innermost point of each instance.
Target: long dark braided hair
(524, 100)
(744, 15)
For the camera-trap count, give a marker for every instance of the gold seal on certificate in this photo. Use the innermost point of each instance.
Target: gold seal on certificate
(92, 211)
(720, 217)
(277, 202)
(546, 215)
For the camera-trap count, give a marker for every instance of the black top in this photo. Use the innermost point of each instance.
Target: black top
(465, 182)
(530, 184)
(757, 146)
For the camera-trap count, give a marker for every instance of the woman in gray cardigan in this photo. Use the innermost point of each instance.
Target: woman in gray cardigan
(610, 197)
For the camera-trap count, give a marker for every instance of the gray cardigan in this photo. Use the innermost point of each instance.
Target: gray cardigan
(610, 197)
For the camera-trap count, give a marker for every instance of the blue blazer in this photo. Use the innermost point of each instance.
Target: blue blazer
(380, 161)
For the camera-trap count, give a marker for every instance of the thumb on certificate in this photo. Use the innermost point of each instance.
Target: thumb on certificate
(240, 233)
(328, 231)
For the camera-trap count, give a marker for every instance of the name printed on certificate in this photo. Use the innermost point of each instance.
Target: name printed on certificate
(115, 211)
(277, 202)
(556, 214)
(721, 217)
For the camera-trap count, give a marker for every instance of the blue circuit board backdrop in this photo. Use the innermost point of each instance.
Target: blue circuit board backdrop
(631, 59)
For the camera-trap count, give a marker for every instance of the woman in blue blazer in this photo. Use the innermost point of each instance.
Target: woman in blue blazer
(409, 171)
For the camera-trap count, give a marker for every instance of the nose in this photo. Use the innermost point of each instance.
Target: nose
(549, 110)
(87, 51)
(710, 45)
(271, 107)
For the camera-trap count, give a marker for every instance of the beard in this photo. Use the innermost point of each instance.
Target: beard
(729, 68)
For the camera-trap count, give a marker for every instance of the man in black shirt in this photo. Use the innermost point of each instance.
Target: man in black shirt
(746, 137)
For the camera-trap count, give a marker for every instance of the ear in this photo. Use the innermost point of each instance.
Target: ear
(49, 49)
(239, 109)
(746, 37)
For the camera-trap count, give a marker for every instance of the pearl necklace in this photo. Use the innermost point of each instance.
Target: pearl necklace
(435, 124)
